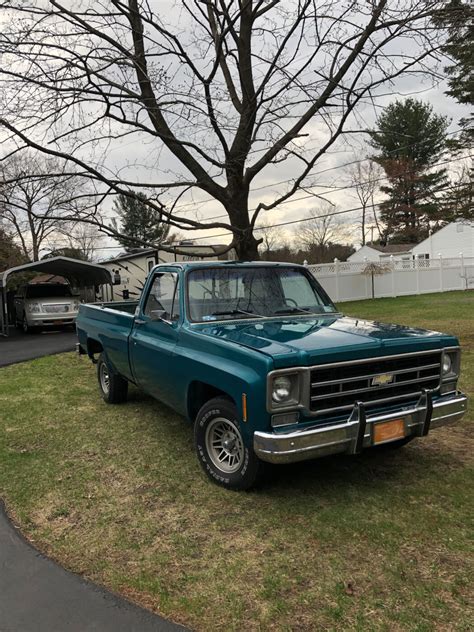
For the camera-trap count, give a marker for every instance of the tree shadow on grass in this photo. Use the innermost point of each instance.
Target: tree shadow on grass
(374, 468)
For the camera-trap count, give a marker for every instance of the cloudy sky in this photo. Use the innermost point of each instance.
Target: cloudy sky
(142, 158)
(332, 168)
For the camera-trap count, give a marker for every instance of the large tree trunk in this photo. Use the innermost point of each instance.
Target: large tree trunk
(246, 245)
(247, 249)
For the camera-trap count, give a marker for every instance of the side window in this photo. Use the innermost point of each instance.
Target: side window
(164, 296)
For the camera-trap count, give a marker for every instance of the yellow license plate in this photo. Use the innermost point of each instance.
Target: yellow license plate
(389, 431)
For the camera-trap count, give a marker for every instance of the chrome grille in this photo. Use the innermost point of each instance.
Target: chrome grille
(339, 386)
(56, 309)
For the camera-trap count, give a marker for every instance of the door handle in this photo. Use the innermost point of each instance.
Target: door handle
(139, 321)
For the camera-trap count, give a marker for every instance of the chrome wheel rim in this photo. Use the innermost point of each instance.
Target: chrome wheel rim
(224, 445)
(104, 378)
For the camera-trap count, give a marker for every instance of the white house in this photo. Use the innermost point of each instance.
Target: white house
(374, 252)
(129, 271)
(449, 242)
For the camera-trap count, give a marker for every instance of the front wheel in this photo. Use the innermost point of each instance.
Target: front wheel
(113, 387)
(27, 329)
(220, 447)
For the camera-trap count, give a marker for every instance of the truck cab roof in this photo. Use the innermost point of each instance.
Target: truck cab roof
(189, 265)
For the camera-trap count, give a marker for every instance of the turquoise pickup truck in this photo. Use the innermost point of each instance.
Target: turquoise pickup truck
(264, 366)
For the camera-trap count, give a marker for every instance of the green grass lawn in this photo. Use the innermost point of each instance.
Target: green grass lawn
(373, 542)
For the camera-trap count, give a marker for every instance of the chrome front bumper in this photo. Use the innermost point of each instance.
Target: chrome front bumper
(357, 432)
(44, 319)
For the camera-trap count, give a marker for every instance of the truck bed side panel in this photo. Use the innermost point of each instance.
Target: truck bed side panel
(111, 328)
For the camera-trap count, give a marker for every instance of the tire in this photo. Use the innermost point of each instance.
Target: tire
(113, 387)
(217, 423)
(26, 329)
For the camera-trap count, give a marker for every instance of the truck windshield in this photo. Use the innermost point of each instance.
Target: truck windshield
(252, 292)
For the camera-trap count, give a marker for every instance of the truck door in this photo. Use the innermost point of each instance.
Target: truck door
(154, 337)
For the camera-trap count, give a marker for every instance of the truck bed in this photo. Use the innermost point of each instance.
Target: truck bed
(109, 324)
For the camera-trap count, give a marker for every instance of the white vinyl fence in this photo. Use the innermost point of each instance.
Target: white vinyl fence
(352, 280)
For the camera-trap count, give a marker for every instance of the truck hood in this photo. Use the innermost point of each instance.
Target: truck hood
(316, 340)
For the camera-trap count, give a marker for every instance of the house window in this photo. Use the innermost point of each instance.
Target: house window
(423, 256)
(459, 228)
(151, 263)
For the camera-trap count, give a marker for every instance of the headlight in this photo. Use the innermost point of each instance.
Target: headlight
(450, 364)
(281, 390)
(284, 391)
(34, 308)
(447, 364)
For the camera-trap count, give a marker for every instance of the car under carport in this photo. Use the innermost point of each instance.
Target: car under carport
(80, 274)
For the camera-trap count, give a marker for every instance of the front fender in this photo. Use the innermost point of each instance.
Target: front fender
(233, 370)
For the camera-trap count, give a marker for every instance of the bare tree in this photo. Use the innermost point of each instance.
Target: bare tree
(85, 238)
(365, 177)
(36, 200)
(271, 239)
(220, 93)
(323, 227)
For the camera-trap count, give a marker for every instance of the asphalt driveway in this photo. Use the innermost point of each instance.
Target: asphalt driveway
(19, 347)
(37, 595)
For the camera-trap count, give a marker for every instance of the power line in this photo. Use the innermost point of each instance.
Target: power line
(316, 173)
(332, 190)
(311, 195)
(308, 219)
(290, 222)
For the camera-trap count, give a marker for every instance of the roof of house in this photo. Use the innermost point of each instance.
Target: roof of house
(392, 248)
(151, 251)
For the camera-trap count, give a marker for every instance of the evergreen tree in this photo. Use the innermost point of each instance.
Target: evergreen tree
(410, 139)
(10, 254)
(459, 198)
(140, 222)
(458, 18)
(68, 251)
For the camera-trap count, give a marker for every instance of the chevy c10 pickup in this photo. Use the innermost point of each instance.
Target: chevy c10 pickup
(259, 359)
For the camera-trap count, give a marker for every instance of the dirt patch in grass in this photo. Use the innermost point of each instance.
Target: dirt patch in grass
(381, 541)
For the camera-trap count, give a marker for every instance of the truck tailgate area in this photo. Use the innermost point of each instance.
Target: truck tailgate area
(110, 325)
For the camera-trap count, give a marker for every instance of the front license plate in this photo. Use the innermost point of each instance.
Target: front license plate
(389, 431)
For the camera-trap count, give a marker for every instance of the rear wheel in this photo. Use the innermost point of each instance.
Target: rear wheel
(220, 447)
(113, 387)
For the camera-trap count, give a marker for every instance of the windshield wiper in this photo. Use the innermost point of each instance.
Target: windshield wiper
(234, 312)
(294, 310)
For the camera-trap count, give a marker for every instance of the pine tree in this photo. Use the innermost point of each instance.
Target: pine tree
(410, 139)
(140, 222)
(459, 198)
(10, 254)
(458, 18)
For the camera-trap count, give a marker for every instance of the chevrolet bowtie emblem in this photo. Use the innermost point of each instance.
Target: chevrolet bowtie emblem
(383, 379)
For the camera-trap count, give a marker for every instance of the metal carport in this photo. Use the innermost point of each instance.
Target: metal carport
(78, 273)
